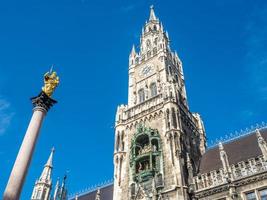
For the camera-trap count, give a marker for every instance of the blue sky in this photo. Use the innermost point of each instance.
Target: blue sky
(222, 44)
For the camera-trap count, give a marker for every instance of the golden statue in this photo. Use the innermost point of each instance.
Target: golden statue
(51, 81)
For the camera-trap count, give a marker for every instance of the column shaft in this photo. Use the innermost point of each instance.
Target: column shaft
(20, 168)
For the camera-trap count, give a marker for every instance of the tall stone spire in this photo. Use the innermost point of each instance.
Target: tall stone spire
(43, 185)
(152, 15)
(63, 190)
(56, 192)
(60, 192)
(46, 174)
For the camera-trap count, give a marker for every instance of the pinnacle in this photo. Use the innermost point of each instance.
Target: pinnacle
(133, 52)
(50, 159)
(152, 16)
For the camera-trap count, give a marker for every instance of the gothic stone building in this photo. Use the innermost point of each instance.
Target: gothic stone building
(160, 145)
(43, 186)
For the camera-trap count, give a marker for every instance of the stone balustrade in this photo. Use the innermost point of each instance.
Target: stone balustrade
(238, 171)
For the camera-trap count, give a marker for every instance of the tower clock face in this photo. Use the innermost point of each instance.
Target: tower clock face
(147, 69)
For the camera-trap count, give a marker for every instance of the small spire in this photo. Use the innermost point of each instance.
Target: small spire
(221, 146)
(56, 190)
(258, 133)
(152, 15)
(49, 162)
(98, 195)
(133, 52)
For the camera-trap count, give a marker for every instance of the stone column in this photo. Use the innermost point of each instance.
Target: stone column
(42, 104)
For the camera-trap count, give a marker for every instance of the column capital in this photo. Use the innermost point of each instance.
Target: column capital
(43, 102)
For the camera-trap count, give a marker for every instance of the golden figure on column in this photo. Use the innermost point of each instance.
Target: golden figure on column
(51, 81)
(41, 104)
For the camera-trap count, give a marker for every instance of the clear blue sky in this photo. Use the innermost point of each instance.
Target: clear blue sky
(222, 43)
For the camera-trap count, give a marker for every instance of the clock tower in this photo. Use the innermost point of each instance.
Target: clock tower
(158, 141)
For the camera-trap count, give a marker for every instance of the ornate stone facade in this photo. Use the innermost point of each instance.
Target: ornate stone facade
(160, 146)
(156, 133)
(234, 170)
(43, 186)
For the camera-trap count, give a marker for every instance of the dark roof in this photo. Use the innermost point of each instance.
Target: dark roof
(106, 193)
(237, 150)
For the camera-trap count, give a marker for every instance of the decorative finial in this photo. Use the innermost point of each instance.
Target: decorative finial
(53, 149)
(221, 146)
(51, 81)
(51, 68)
(152, 16)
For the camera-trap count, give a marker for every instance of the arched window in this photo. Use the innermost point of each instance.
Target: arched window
(122, 141)
(154, 50)
(168, 119)
(156, 41)
(148, 54)
(170, 70)
(155, 27)
(176, 78)
(148, 44)
(174, 120)
(153, 89)
(137, 60)
(118, 141)
(39, 193)
(141, 94)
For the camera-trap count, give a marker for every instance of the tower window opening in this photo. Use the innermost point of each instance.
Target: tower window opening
(156, 41)
(153, 89)
(141, 94)
(136, 60)
(168, 118)
(118, 141)
(148, 44)
(148, 54)
(176, 78)
(122, 141)
(155, 51)
(170, 70)
(174, 120)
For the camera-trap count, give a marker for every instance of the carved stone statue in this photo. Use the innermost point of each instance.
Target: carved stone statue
(51, 81)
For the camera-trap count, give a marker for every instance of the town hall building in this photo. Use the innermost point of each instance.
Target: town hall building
(160, 149)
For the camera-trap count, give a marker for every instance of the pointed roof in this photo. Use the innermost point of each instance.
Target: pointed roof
(152, 15)
(56, 191)
(133, 52)
(240, 149)
(49, 162)
(47, 171)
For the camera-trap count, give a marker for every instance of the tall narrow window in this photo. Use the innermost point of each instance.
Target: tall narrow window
(174, 120)
(122, 141)
(251, 196)
(141, 94)
(168, 119)
(153, 89)
(170, 70)
(118, 141)
(263, 194)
